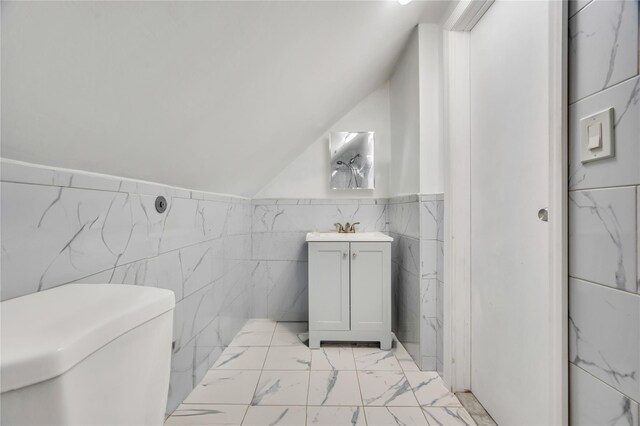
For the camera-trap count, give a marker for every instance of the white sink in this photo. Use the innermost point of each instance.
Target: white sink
(356, 236)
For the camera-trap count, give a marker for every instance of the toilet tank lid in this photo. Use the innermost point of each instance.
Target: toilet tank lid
(45, 334)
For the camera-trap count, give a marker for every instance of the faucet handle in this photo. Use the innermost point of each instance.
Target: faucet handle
(339, 227)
(353, 227)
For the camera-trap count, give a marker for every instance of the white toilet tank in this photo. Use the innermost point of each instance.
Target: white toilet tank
(86, 354)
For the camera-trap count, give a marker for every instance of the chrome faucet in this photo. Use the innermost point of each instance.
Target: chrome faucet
(347, 228)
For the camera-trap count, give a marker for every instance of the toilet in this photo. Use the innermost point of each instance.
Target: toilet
(86, 354)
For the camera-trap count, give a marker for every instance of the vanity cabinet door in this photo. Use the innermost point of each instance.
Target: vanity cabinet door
(370, 286)
(329, 286)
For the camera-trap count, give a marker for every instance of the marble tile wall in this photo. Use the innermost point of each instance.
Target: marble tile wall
(404, 227)
(603, 46)
(604, 218)
(416, 223)
(432, 279)
(60, 226)
(279, 250)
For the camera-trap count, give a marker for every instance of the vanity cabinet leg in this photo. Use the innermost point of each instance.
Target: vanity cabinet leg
(314, 342)
(385, 344)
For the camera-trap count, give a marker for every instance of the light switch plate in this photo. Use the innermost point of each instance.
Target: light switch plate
(605, 150)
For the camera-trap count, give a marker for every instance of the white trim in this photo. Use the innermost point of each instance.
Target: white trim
(457, 221)
(558, 209)
(466, 14)
(457, 203)
(17, 171)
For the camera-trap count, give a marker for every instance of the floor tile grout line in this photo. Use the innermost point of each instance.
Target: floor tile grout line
(424, 414)
(326, 405)
(245, 414)
(273, 333)
(364, 412)
(259, 377)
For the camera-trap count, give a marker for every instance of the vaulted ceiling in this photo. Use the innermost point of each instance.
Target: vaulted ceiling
(215, 96)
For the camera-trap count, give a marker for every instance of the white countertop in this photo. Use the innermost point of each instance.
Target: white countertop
(356, 236)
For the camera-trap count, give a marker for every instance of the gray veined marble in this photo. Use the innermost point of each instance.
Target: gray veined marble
(602, 240)
(336, 416)
(269, 217)
(258, 415)
(429, 297)
(288, 246)
(429, 328)
(407, 254)
(192, 315)
(283, 288)
(52, 235)
(407, 303)
(332, 393)
(381, 388)
(592, 402)
(210, 414)
(225, 387)
(332, 358)
(603, 46)
(431, 216)
(282, 388)
(404, 358)
(288, 358)
(375, 359)
(429, 252)
(604, 335)
(430, 389)
(288, 339)
(252, 338)
(400, 416)
(417, 224)
(404, 219)
(334, 388)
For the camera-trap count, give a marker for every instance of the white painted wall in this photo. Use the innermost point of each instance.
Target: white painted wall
(214, 96)
(416, 103)
(307, 176)
(431, 109)
(404, 100)
(406, 114)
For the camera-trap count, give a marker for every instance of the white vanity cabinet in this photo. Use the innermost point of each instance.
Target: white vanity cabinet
(349, 287)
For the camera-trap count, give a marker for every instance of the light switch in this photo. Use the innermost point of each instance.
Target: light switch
(596, 136)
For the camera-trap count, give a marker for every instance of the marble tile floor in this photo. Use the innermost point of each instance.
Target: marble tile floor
(268, 376)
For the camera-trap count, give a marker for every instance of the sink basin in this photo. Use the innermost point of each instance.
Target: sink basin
(356, 236)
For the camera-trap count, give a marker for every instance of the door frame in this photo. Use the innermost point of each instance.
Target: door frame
(457, 260)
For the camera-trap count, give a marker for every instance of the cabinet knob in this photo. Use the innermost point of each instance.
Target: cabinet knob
(354, 254)
(344, 254)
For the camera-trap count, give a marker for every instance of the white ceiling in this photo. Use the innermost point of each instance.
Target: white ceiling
(216, 96)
